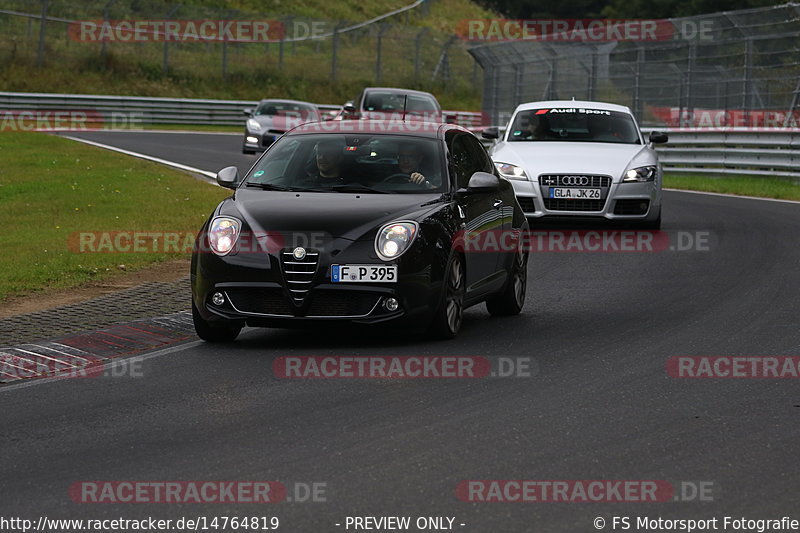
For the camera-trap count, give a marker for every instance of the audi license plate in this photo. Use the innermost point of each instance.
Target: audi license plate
(575, 193)
(364, 273)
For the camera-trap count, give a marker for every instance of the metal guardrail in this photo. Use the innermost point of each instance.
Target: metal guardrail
(145, 110)
(731, 151)
(735, 151)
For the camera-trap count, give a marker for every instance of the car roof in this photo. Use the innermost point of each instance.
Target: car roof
(387, 127)
(284, 101)
(573, 103)
(398, 90)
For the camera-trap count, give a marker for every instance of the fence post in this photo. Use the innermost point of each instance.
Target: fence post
(42, 24)
(690, 81)
(417, 47)
(637, 82)
(793, 105)
(444, 60)
(104, 45)
(593, 75)
(280, 49)
(381, 29)
(165, 64)
(518, 78)
(334, 50)
(748, 67)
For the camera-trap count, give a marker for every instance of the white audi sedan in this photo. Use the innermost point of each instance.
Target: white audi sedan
(570, 158)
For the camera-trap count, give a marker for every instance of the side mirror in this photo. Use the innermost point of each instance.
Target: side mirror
(483, 182)
(247, 112)
(491, 133)
(349, 107)
(228, 177)
(658, 137)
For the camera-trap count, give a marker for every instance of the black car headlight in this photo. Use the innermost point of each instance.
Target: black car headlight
(395, 238)
(223, 233)
(647, 173)
(512, 172)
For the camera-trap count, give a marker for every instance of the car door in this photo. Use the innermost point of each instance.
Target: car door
(481, 216)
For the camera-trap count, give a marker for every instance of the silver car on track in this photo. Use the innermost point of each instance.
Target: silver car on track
(569, 158)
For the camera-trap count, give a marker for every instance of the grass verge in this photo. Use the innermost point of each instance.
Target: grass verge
(51, 189)
(765, 187)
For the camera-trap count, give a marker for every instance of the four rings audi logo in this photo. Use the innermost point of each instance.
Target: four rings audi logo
(574, 180)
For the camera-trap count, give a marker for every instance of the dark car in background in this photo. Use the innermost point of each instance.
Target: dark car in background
(393, 103)
(272, 118)
(300, 244)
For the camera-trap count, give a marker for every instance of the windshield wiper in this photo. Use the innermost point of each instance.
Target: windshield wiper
(356, 187)
(273, 187)
(267, 186)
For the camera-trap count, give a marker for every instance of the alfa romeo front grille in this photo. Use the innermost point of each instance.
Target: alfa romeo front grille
(574, 180)
(299, 274)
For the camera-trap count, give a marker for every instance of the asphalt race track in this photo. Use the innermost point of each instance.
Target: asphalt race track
(599, 329)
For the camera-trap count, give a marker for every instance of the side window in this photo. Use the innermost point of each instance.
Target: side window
(479, 155)
(465, 163)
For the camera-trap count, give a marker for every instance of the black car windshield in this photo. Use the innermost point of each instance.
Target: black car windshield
(344, 163)
(286, 109)
(574, 124)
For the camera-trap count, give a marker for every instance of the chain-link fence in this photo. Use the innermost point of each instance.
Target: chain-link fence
(737, 68)
(153, 38)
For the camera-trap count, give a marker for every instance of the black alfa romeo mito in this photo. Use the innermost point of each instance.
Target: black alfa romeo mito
(360, 222)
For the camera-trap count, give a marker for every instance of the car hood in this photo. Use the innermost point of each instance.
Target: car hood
(548, 157)
(332, 215)
(279, 122)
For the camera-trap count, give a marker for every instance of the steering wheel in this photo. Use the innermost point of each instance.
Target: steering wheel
(399, 177)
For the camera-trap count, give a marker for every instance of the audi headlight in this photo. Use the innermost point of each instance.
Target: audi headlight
(647, 173)
(253, 125)
(223, 233)
(512, 172)
(394, 239)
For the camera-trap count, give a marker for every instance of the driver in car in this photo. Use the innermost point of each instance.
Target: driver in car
(409, 158)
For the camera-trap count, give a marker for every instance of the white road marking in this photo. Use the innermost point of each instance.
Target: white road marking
(173, 164)
(104, 366)
(736, 196)
(45, 357)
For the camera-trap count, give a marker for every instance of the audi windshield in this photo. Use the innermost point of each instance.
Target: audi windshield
(574, 124)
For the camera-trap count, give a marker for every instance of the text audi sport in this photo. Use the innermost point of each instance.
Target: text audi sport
(573, 158)
(352, 221)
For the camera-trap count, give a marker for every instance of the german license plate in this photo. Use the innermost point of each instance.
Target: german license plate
(364, 273)
(575, 193)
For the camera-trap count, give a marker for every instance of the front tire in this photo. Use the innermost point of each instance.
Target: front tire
(210, 333)
(512, 299)
(448, 317)
(652, 224)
